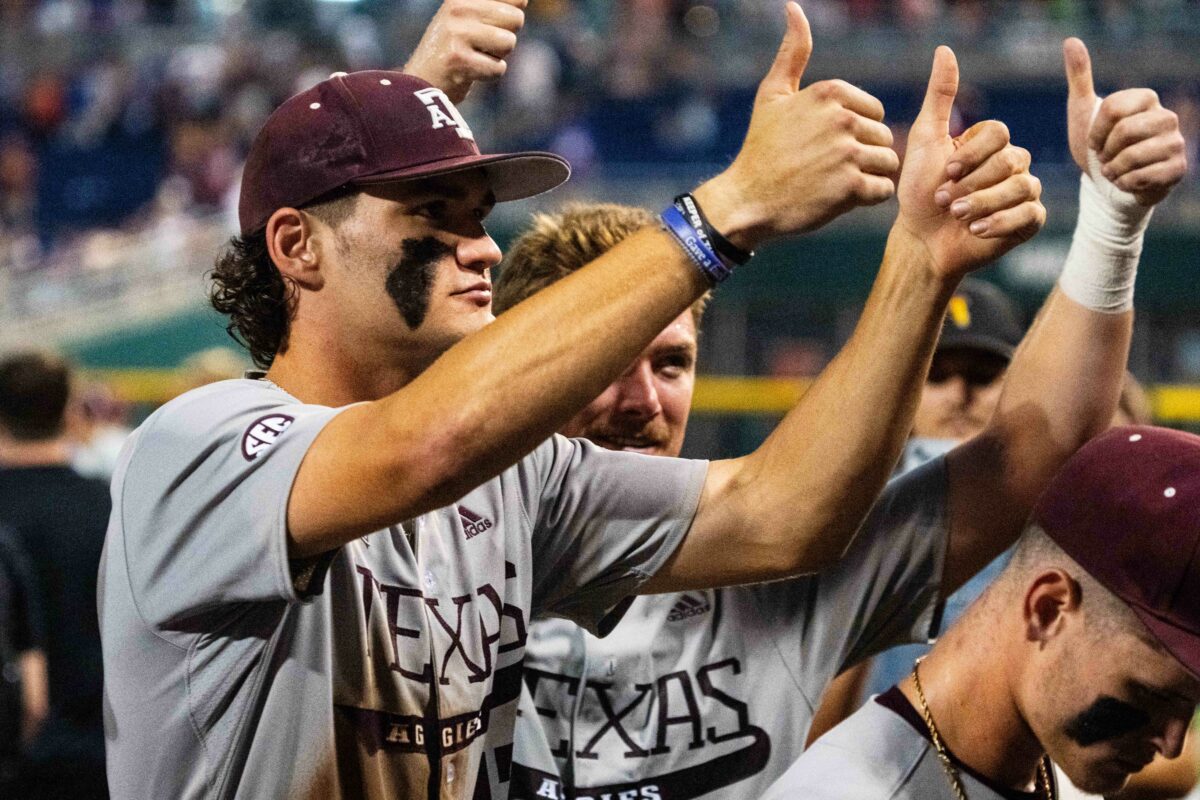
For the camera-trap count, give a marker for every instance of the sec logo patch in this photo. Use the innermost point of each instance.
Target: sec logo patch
(263, 433)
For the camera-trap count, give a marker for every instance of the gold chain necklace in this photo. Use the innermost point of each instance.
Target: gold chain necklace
(943, 756)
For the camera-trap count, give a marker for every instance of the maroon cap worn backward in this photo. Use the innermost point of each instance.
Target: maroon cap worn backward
(373, 127)
(1126, 507)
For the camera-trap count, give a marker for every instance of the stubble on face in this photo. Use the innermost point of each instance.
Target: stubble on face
(410, 282)
(650, 436)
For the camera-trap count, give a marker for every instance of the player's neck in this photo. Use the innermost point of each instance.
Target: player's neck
(337, 373)
(970, 700)
(46, 453)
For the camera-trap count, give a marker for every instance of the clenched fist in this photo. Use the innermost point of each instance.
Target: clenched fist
(467, 41)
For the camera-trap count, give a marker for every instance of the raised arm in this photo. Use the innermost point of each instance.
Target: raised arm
(1065, 378)
(467, 41)
(794, 504)
(809, 155)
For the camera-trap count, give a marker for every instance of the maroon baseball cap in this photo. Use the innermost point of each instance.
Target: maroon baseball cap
(372, 127)
(1126, 507)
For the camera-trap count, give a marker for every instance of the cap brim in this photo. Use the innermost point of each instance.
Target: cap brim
(975, 341)
(512, 176)
(1179, 642)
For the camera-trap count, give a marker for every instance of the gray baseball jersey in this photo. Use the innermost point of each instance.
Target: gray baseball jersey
(712, 693)
(876, 754)
(389, 668)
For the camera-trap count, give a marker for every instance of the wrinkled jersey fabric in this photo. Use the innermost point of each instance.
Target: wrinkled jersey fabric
(388, 668)
(711, 693)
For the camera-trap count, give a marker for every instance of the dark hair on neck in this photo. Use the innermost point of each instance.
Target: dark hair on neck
(249, 289)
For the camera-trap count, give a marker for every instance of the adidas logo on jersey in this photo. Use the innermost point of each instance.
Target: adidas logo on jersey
(473, 523)
(689, 606)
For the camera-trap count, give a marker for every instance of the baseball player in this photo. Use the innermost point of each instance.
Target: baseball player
(711, 693)
(989, 706)
(318, 582)
(1084, 655)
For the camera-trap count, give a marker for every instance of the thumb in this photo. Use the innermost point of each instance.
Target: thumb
(784, 75)
(1082, 101)
(1079, 72)
(939, 96)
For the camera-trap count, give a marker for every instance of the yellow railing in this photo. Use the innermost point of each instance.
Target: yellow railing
(715, 394)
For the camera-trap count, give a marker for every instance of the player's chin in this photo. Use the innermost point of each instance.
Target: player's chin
(959, 427)
(1106, 777)
(475, 317)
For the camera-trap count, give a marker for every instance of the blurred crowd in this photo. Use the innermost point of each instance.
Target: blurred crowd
(115, 113)
(60, 434)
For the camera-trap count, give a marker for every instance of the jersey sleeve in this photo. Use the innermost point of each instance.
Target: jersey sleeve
(200, 500)
(603, 522)
(884, 592)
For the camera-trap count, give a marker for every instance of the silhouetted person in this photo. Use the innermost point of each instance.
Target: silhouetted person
(59, 517)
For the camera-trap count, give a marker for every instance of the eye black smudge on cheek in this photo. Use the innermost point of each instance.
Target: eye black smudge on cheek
(1105, 719)
(410, 281)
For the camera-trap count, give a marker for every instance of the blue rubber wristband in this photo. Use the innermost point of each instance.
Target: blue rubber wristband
(695, 245)
(732, 255)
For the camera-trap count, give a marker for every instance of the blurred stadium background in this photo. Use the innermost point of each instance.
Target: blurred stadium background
(123, 124)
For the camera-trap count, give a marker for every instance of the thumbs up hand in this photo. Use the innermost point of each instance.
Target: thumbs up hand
(969, 199)
(809, 155)
(1127, 140)
(467, 41)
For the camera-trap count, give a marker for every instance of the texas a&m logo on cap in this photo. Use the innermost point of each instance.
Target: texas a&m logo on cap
(443, 112)
(262, 433)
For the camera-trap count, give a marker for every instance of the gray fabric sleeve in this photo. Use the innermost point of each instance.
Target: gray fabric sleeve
(884, 592)
(872, 755)
(603, 522)
(203, 500)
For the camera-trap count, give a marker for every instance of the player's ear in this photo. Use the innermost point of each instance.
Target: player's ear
(1049, 598)
(293, 247)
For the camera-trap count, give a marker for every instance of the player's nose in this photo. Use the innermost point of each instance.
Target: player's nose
(478, 253)
(959, 390)
(638, 393)
(1170, 739)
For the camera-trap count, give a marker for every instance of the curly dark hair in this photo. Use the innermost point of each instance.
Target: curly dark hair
(249, 289)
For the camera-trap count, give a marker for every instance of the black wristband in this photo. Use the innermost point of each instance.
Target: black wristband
(724, 248)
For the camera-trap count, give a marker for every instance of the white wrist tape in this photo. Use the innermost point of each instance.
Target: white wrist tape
(1102, 263)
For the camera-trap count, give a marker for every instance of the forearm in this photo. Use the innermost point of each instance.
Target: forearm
(1060, 390)
(494, 396)
(833, 453)
(796, 502)
(35, 692)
